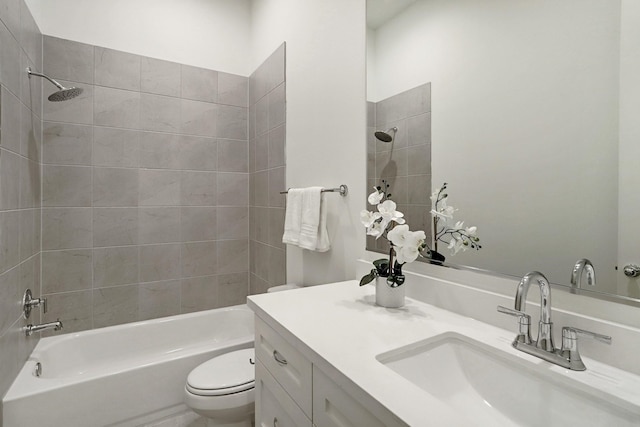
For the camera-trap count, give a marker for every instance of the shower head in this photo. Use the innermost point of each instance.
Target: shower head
(63, 93)
(386, 135)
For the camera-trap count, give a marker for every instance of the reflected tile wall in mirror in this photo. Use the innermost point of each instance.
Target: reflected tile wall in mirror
(405, 163)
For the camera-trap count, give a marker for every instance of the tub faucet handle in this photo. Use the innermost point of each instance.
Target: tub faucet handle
(28, 302)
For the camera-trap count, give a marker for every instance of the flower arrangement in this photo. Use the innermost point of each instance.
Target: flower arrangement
(456, 236)
(404, 245)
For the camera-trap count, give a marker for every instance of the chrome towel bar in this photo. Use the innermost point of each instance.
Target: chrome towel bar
(343, 190)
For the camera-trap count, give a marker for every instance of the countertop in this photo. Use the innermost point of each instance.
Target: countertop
(341, 330)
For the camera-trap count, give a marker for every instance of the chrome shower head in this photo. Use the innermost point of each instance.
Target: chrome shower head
(385, 136)
(63, 93)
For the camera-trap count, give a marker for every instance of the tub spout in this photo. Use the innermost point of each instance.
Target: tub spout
(30, 329)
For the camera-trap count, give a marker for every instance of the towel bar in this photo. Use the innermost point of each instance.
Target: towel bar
(343, 190)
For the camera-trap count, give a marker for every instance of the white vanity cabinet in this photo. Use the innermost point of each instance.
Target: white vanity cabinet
(293, 392)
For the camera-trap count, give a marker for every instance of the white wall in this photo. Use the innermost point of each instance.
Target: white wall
(326, 117)
(212, 34)
(629, 185)
(524, 123)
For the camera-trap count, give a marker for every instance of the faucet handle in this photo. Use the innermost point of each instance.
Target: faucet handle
(569, 349)
(570, 333)
(524, 322)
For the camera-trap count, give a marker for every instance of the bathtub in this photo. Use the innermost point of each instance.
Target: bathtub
(126, 375)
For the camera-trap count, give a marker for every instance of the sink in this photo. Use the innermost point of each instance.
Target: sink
(495, 388)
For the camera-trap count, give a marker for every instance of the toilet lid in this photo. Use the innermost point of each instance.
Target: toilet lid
(225, 374)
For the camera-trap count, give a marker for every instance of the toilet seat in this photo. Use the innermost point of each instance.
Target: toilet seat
(226, 374)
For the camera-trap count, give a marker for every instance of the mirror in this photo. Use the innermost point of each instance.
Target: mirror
(532, 121)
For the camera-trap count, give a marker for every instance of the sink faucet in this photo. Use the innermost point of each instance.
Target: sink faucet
(545, 333)
(567, 356)
(582, 265)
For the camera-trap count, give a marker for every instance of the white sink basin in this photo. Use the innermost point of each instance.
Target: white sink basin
(495, 388)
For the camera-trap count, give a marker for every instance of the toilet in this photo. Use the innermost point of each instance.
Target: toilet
(222, 389)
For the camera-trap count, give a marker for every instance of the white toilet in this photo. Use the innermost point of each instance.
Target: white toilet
(222, 389)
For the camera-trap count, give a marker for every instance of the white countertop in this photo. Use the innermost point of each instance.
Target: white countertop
(339, 327)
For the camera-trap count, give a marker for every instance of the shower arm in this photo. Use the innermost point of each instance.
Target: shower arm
(33, 73)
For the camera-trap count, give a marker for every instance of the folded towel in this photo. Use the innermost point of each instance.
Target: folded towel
(305, 219)
(293, 216)
(311, 198)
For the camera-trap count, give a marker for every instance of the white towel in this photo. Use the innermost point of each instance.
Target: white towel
(293, 216)
(305, 219)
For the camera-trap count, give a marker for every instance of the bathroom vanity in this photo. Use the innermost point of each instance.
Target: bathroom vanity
(328, 356)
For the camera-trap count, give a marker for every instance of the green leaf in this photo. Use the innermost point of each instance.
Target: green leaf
(369, 277)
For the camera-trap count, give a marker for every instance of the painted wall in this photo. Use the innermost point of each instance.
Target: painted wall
(556, 104)
(326, 117)
(203, 33)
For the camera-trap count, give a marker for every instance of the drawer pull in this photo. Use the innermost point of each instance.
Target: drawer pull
(281, 360)
(275, 422)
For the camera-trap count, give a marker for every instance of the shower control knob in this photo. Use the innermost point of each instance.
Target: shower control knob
(631, 270)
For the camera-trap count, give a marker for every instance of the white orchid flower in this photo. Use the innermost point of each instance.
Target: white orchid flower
(434, 195)
(389, 213)
(377, 229)
(375, 197)
(471, 231)
(398, 235)
(367, 218)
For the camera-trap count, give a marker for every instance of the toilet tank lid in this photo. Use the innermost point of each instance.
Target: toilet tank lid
(225, 371)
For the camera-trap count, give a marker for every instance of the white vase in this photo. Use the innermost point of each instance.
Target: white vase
(389, 297)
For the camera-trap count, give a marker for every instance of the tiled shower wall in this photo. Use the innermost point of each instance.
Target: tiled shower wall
(267, 167)
(20, 148)
(406, 163)
(145, 200)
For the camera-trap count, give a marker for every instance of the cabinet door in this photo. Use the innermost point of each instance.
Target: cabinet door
(274, 407)
(287, 365)
(333, 407)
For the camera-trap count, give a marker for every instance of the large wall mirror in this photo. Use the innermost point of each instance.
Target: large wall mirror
(533, 116)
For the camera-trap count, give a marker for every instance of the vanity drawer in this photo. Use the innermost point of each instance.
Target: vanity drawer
(334, 407)
(274, 407)
(287, 365)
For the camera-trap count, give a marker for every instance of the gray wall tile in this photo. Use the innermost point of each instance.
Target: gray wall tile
(116, 108)
(117, 69)
(10, 168)
(66, 186)
(74, 309)
(198, 153)
(68, 60)
(199, 84)
(9, 61)
(277, 106)
(199, 293)
(233, 256)
(159, 225)
(65, 271)
(276, 147)
(198, 118)
(232, 122)
(159, 150)
(199, 258)
(9, 239)
(233, 289)
(159, 113)
(233, 189)
(233, 223)
(115, 147)
(115, 305)
(159, 262)
(159, 188)
(233, 155)
(198, 188)
(66, 228)
(232, 89)
(67, 144)
(115, 266)
(115, 226)
(159, 299)
(10, 120)
(80, 111)
(161, 77)
(198, 223)
(115, 187)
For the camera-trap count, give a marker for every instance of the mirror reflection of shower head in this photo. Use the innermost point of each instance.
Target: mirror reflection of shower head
(386, 136)
(63, 93)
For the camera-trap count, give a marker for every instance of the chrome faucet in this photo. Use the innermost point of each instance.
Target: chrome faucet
(582, 265)
(567, 356)
(30, 329)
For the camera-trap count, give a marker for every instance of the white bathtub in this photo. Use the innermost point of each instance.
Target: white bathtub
(124, 375)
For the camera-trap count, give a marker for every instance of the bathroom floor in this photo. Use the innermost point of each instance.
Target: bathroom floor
(184, 419)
